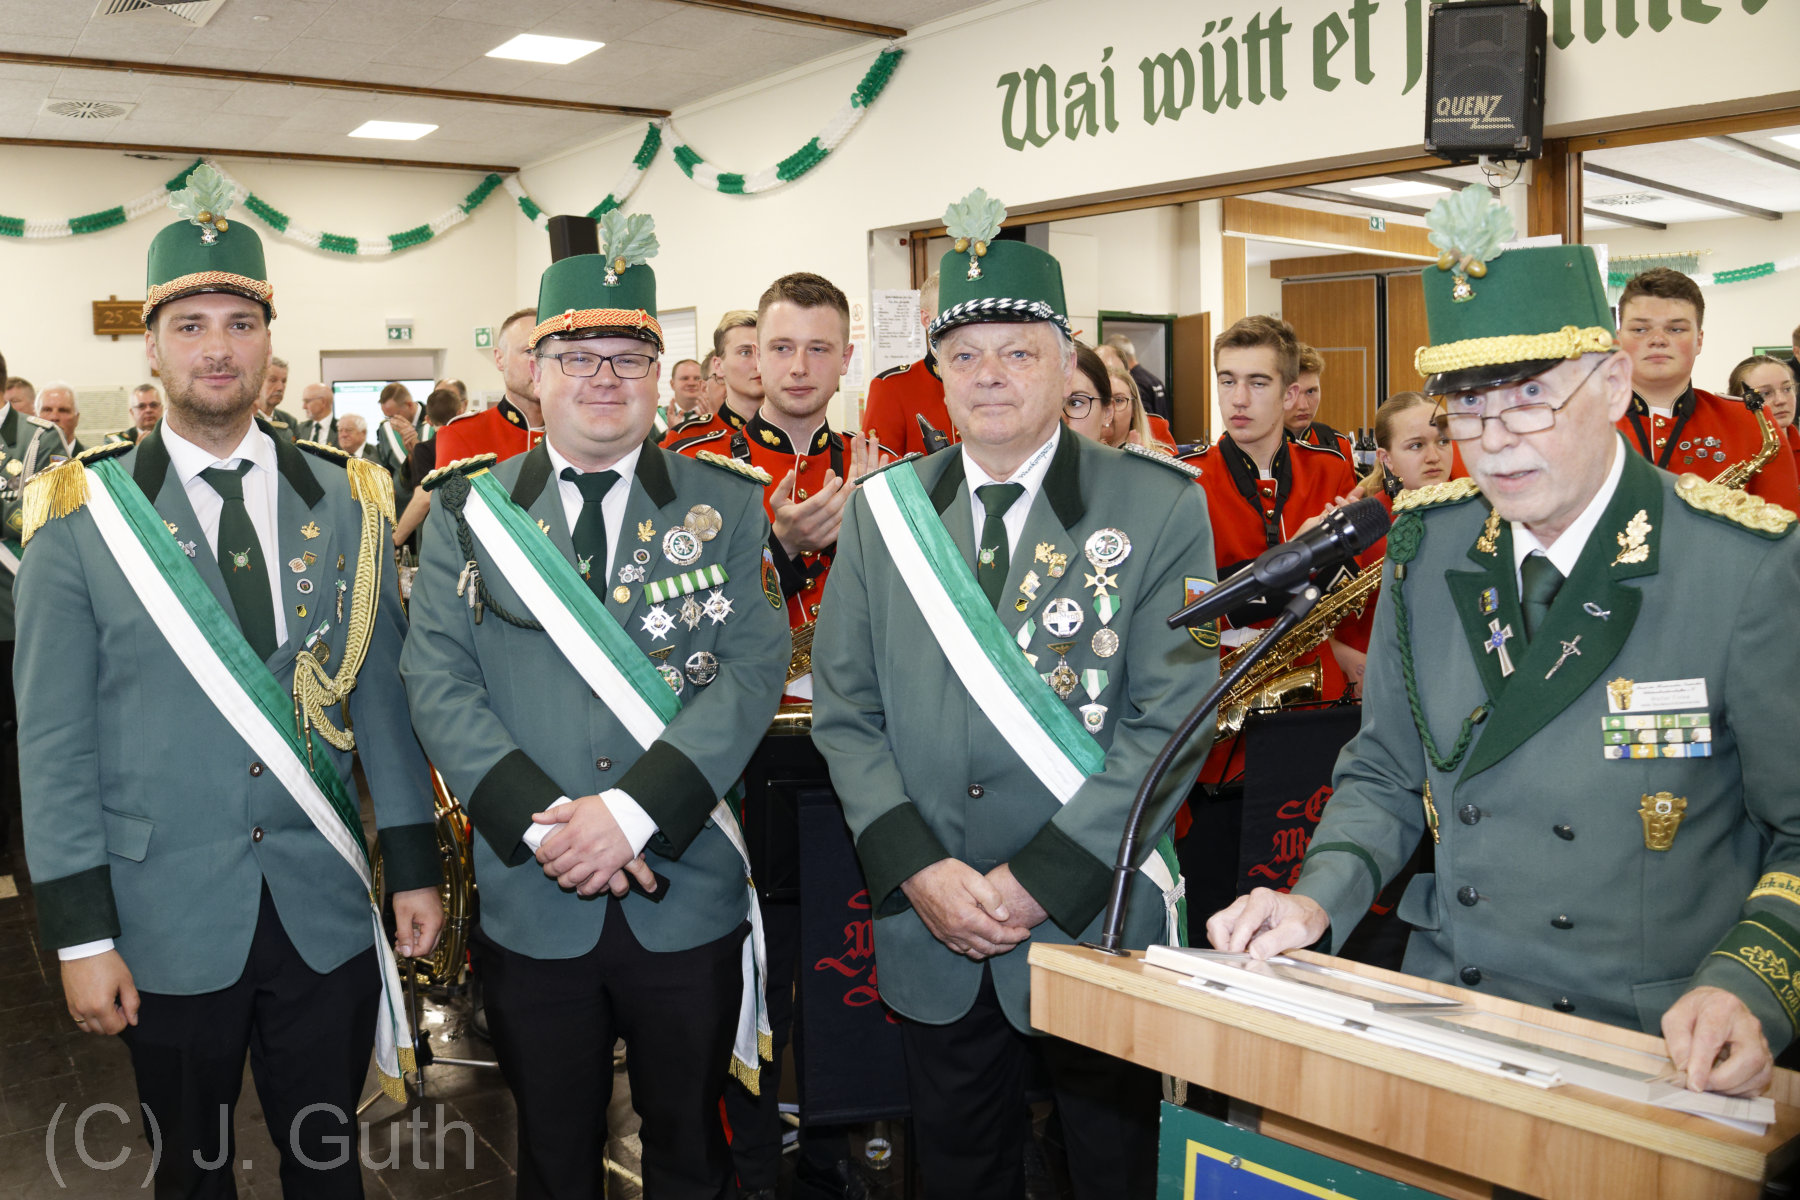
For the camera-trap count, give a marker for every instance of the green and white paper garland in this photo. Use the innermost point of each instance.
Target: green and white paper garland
(696, 168)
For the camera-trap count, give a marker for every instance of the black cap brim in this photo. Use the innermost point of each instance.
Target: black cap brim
(1469, 379)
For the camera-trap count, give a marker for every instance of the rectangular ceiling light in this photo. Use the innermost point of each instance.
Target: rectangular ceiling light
(535, 47)
(1400, 191)
(1788, 139)
(398, 131)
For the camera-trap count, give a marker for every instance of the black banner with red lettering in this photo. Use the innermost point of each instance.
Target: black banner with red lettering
(1288, 760)
(853, 1067)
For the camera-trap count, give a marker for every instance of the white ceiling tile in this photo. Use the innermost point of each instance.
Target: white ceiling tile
(515, 15)
(316, 56)
(372, 25)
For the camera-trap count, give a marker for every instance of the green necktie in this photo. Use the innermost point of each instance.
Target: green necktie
(241, 559)
(590, 526)
(992, 559)
(1539, 581)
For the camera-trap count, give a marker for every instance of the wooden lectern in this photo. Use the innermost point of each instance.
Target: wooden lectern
(1421, 1120)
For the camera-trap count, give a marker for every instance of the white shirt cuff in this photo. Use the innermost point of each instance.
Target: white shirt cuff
(633, 821)
(534, 837)
(84, 950)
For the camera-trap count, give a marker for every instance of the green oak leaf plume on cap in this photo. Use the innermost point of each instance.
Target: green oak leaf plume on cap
(973, 221)
(629, 241)
(1468, 228)
(204, 201)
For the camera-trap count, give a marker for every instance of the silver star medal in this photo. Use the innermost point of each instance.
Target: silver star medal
(187, 548)
(718, 607)
(691, 612)
(658, 624)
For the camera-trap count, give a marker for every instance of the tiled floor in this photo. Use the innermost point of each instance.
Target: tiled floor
(50, 1075)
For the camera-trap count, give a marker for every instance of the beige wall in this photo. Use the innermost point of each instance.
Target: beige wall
(322, 301)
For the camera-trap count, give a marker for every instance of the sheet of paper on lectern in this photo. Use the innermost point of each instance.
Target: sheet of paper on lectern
(1425, 1023)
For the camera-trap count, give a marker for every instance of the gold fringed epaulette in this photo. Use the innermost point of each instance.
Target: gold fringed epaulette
(1453, 491)
(735, 467)
(370, 483)
(61, 490)
(103, 451)
(475, 464)
(1734, 507)
(330, 454)
(1162, 460)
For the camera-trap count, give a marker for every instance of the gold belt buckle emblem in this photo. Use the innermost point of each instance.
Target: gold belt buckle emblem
(1662, 814)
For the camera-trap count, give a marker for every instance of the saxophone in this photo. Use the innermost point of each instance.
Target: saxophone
(1739, 474)
(1275, 680)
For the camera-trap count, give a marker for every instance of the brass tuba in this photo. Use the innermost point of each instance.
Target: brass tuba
(1275, 680)
(445, 965)
(1739, 474)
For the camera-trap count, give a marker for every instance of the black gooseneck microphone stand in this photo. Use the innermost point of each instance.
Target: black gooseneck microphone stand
(1112, 930)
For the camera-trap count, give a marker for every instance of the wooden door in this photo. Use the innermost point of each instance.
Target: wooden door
(1337, 317)
(1190, 398)
(1405, 331)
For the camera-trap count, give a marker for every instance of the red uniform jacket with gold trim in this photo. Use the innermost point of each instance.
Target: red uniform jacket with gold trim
(1249, 515)
(768, 447)
(1705, 434)
(501, 431)
(723, 421)
(1325, 437)
(897, 398)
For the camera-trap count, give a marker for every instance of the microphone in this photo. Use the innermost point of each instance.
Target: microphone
(1278, 570)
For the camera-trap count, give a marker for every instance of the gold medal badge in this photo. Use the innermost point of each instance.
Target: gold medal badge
(1661, 814)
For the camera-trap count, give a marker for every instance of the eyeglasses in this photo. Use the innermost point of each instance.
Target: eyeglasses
(579, 364)
(1522, 408)
(1079, 404)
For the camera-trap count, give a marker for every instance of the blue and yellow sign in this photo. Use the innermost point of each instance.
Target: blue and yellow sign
(1204, 1159)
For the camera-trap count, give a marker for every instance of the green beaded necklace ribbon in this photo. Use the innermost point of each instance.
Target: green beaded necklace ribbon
(1403, 541)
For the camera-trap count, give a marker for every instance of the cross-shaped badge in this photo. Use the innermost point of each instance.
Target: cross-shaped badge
(1568, 648)
(1496, 643)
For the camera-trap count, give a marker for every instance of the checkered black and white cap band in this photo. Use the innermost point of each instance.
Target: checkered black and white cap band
(995, 308)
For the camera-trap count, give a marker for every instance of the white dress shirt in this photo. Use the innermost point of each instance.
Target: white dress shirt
(1567, 548)
(261, 494)
(262, 490)
(634, 822)
(1030, 474)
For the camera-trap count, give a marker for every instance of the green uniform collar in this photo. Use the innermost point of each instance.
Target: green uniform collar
(1062, 480)
(151, 466)
(652, 473)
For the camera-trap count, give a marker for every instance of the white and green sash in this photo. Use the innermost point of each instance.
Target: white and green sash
(240, 686)
(1045, 735)
(611, 664)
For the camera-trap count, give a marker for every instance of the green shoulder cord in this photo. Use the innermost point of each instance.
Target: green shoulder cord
(1402, 547)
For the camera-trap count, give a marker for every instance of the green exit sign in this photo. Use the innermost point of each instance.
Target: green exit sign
(399, 333)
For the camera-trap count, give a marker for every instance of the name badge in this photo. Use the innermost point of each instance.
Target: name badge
(1625, 695)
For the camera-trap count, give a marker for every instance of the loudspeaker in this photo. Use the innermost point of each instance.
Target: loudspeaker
(1485, 80)
(570, 236)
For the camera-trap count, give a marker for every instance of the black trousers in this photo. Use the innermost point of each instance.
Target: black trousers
(309, 1037)
(553, 1023)
(9, 755)
(967, 1082)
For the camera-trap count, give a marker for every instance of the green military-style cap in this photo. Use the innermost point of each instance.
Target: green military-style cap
(984, 280)
(1495, 317)
(610, 294)
(205, 252)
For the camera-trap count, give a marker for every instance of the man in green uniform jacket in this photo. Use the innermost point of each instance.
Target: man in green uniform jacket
(969, 851)
(26, 445)
(653, 594)
(198, 908)
(1595, 648)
